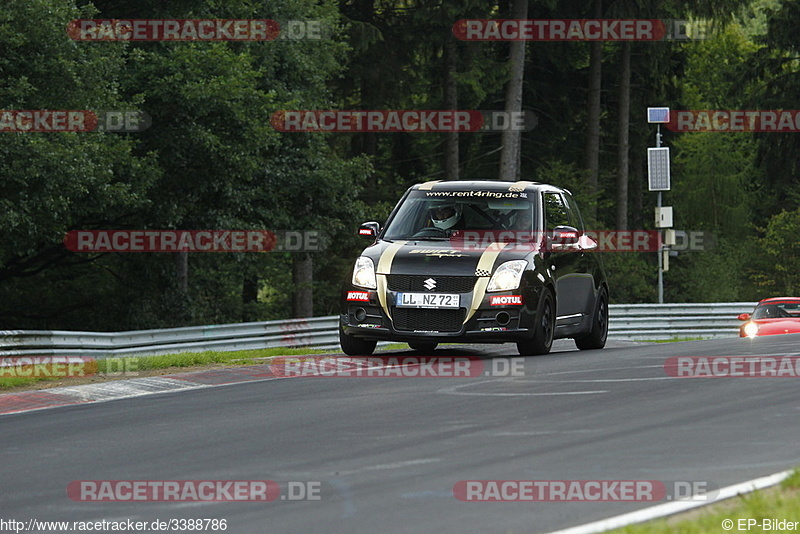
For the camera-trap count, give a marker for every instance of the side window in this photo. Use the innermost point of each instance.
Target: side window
(573, 213)
(555, 212)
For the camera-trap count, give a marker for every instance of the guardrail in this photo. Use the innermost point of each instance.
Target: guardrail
(317, 332)
(654, 322)
(627, 322)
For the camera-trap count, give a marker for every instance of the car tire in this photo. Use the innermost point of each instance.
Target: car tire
(356, 346)
(596, 339)
(423, 346)
(543, 331)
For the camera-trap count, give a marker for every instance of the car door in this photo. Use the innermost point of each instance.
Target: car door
(564, 261)
(583, 284)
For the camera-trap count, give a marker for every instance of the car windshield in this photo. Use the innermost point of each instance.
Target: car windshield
(777, 310)
(440, 215)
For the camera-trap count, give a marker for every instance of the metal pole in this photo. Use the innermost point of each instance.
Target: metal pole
(660, 248)
(660, 264)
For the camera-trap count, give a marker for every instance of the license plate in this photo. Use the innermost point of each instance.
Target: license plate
(427, 300)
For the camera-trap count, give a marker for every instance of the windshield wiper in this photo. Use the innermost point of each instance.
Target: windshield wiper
(428, 238)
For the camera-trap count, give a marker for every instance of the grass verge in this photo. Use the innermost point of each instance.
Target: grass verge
(15, 378)
(25, 377)
(781, 502)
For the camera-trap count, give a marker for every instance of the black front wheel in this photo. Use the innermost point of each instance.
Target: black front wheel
(596, 339)
(544, 330)
(356, 346)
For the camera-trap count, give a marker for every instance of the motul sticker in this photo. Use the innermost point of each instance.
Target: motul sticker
(358, 295)
(506, 300)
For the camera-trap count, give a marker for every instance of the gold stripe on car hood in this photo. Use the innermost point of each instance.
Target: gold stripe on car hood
(484, 266)
(385, 267)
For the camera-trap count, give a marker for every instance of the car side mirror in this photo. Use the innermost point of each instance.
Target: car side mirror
(744, 316)
(564, 238)
(369, 229)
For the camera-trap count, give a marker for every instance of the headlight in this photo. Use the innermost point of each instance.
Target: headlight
(364, 273)
(751, 329)
(507, 276)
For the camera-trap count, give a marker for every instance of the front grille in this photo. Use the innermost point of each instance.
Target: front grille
(444, 284)
(422, 319)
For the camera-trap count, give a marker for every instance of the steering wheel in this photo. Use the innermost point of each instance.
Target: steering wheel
(430, 231)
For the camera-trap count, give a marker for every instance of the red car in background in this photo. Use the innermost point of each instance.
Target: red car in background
(778, 315)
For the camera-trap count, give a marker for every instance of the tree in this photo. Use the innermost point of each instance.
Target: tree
(772, 75)
(55, 182)
(623, 147)
(593, 106)
(779, 272)
(510, 156)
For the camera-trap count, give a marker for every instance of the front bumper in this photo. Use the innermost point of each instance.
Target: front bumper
(499, 317)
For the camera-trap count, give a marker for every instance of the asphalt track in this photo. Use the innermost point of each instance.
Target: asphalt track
(388, 451)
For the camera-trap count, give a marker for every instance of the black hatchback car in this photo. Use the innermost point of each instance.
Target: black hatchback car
(477, 262)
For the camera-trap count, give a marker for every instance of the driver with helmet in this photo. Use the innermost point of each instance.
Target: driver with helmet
(446, 216)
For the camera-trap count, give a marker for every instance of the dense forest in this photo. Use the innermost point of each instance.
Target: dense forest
(211, 158)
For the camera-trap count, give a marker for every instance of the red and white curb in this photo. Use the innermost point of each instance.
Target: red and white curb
(27, 401)
(675, 507)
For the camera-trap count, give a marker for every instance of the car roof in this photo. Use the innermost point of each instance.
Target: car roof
(486, 185)
(776, 300)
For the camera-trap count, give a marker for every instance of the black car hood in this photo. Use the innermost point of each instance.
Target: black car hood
(443, 257)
